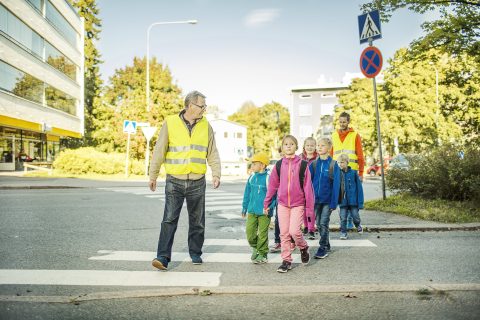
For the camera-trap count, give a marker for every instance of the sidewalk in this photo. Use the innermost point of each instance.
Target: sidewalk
(373, 221)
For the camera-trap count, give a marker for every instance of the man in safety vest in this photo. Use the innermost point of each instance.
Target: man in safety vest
(346, 140)
(185, 143)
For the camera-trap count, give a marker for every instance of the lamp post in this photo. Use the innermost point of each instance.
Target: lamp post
(437, 111)
(147, 89)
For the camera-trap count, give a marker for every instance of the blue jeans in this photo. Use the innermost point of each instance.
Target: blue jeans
(343, 217)
(322, 218)
(176, 191)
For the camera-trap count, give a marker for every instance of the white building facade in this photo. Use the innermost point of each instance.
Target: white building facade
(312, 110)
(41, 79)
(231, 140)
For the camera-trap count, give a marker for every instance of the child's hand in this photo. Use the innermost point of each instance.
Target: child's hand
(243, 215)
(265, 211)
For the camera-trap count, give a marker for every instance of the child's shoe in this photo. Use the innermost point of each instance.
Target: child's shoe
(321, 253)
(311, 235)
(305, 255)
(277, 247)
(261, 259)
(343, 236)
(360, 229)
(284, 267)
(254, 255)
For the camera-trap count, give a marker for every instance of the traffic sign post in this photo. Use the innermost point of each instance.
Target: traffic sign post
(128, 127)
(371, 62)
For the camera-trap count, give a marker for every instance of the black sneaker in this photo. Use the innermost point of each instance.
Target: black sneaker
(321, 253)
(305, 231)
(311, 236)
(284, 267)
(305, 255)
(196, 260)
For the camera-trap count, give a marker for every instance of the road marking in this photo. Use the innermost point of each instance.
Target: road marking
(230, 216)
(184, 257)
(109, 278)
(311, 243)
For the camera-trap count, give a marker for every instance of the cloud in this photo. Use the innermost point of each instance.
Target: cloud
(260, 17)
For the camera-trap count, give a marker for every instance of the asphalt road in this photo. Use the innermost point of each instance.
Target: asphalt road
(60, 230)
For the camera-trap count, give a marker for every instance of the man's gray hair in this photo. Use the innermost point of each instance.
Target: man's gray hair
(192, 97)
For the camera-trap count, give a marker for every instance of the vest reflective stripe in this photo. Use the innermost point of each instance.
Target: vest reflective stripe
(187, 148)
(186, 153)
(347, 147)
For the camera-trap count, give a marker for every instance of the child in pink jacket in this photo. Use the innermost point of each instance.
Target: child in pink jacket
(293, 200)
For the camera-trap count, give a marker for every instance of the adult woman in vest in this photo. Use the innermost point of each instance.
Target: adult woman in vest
(185, 143)
(347, 141)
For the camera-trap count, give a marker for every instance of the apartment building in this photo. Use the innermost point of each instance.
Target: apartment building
(41, 79)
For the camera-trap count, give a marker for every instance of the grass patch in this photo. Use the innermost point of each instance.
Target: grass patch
(427, 209)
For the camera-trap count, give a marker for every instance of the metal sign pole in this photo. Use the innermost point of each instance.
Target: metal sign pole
(379, 135)
(128, 151)
(147, 157)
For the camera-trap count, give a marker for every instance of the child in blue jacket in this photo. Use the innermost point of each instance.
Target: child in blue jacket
(252, 207)
(325, 176)
(350, 196)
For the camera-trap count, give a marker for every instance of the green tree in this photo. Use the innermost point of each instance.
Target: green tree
(456, 31)
(93, 83)
(265, 129)
(125, 99)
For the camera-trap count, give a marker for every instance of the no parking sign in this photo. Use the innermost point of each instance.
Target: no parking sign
(371, 62)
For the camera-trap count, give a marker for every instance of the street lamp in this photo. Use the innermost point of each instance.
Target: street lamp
(147, 89)
(437, 112)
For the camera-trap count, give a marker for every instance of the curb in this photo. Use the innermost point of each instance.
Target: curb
(395, 228)
(231, 290)
(37, 187)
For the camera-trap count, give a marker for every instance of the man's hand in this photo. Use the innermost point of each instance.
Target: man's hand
(216, 182)
(152, 184)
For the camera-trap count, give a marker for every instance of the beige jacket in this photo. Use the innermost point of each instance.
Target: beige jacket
(160, 151)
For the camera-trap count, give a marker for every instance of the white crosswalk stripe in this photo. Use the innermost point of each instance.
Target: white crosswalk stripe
(215, 200)
(222, 257)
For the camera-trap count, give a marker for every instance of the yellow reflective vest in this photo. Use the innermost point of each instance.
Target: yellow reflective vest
(186, 153)
(347, 147)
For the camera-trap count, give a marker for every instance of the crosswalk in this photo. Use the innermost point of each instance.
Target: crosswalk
(215, 251)
(216, 201)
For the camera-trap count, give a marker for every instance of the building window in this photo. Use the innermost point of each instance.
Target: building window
(37, 4)
(61, 24)
(305, 96)
(15, 29)
(329, 94)
(239, 135)
(26, 86)
(225, 134)
(305, 131)
(57, 60)
(60, 100)
(327, 108)
(20, 83)
(305, 110)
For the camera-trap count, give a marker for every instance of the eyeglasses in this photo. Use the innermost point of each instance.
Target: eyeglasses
(201, 107)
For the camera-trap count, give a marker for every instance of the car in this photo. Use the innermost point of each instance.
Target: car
(374, 170)
(400, 161)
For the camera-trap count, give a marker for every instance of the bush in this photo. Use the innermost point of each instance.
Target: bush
(88, 160)
(449, 173)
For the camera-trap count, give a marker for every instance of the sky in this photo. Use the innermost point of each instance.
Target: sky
(246, 50)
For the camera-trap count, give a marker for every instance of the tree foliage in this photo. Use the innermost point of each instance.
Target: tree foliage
(456, 31)
(125, 99)
(93, 83)
(265, 129)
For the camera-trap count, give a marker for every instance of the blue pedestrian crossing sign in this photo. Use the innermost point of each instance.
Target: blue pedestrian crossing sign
(129, 126)
(369, 26)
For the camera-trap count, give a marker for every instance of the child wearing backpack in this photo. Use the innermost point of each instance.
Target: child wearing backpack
(252, 207)
(309, 154)
(325, 175)
(350, 196)
(291, 181)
